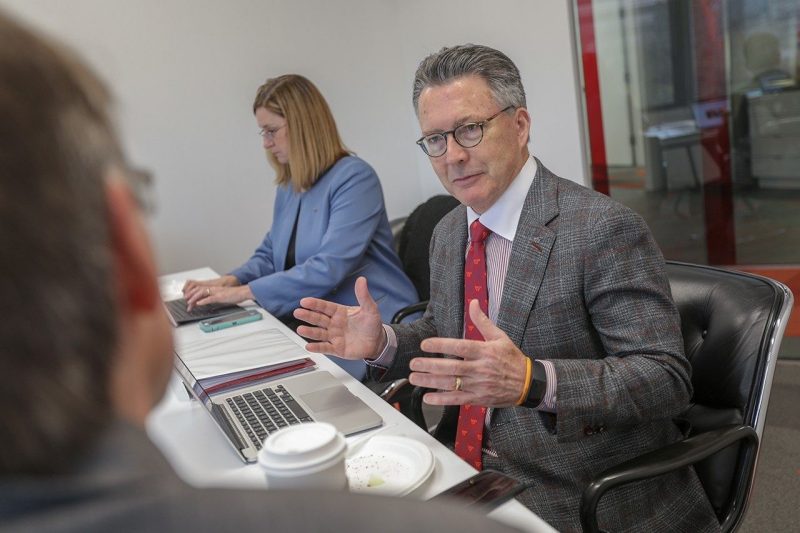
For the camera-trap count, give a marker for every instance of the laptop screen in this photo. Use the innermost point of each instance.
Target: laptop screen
(235, 380)
(192, 384)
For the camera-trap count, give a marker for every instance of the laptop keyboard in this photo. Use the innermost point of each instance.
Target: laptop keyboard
(265, 411)
(177, 308)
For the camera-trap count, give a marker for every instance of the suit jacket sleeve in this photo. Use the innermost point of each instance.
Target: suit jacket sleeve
(641, 374)
(262, 263)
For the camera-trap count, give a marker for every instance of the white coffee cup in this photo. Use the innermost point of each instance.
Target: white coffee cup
(304, 456)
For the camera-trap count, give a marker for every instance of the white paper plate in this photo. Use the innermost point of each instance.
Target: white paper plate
(389, 465)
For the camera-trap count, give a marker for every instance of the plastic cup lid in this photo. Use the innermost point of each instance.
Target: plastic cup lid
(301, 446)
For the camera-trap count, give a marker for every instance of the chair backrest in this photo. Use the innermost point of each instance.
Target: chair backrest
(415, 239)
(732, 325)
(396, 227)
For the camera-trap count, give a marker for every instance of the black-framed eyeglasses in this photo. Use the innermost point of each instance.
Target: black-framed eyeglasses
(466, 135)
(269, 134)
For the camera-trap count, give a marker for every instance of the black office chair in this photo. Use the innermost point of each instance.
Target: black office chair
(732, 325)
(412, 238)
(413, 247)
(396, 226)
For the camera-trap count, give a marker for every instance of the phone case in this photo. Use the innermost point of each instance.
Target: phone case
(486, 490)
(209, 325)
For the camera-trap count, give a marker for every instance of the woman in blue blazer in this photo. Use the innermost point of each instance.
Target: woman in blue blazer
(329, 221)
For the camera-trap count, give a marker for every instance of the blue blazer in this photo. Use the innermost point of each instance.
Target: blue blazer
(342, 233)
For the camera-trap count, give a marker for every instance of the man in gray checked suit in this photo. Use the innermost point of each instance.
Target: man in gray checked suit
(85, 347)
(581, 362)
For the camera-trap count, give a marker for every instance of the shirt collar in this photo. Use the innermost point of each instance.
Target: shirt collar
(503, 216)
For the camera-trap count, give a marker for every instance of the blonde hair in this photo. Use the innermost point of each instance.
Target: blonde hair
(314, 142)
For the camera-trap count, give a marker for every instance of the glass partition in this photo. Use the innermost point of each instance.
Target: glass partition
(693, 118)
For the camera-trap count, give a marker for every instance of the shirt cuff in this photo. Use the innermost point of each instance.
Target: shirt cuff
(548, 403)
(386, 357)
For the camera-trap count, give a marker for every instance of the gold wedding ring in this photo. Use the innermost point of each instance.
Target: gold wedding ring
(208, 291)
(458, 383)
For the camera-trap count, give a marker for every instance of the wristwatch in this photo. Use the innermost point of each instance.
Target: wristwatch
(538, 386)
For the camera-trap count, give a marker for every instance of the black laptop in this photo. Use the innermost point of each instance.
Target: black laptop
(178, 315)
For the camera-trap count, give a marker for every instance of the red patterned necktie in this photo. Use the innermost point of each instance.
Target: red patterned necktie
(469, 433)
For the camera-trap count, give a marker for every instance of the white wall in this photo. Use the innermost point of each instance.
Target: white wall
(185, 73)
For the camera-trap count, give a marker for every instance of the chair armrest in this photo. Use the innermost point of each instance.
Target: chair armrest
(408, 310)
(664, 460)
(415, 412)
(395, 388)
(409, 398)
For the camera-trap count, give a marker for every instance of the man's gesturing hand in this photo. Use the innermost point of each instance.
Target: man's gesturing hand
(349, 332)
(489, 372)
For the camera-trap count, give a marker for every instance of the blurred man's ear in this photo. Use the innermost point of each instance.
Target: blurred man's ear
(134, 265)
(143, 361)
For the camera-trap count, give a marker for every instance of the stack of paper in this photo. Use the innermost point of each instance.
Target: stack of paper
(229, 360)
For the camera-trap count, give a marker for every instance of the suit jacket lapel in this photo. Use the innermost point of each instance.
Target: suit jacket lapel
(529, 254)
(453, 286)
(452, 309)
(452, 298)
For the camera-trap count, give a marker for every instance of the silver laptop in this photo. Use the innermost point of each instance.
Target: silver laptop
(247, 415)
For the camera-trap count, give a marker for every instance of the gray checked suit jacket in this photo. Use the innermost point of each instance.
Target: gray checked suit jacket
(585, 289)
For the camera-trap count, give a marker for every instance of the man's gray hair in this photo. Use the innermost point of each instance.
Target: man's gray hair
(57, 288)
(499, 72)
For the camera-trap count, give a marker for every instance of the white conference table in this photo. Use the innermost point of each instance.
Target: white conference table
(202, 457)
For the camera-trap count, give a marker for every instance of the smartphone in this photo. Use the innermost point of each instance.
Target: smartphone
(486, 489)
(231, 319)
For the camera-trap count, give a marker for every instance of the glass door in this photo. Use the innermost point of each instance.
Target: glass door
(693, 119)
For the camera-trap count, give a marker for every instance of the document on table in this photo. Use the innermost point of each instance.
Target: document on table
(213, 356)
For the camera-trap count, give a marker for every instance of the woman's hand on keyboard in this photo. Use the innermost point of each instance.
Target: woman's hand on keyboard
(224, 290)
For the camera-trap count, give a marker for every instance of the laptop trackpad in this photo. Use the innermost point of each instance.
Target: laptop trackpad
(328, 399)
(338, 406)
